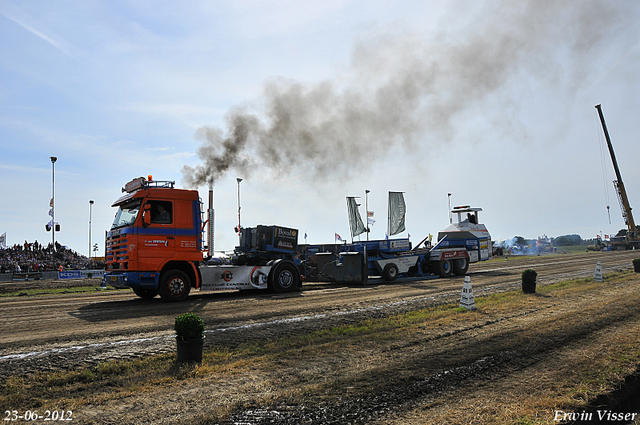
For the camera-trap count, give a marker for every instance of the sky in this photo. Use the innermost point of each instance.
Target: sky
(310, 102)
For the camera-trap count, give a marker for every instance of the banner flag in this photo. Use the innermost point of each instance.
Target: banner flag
(355, 221)
(397, 211)
(3, 240)
(338, 237)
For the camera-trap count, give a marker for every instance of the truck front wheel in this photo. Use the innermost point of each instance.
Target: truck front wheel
(174, 286)
(284, 278)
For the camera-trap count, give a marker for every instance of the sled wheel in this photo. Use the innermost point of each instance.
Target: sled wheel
(390, 272)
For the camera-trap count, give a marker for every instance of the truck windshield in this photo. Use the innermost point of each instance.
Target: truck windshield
(127, 214)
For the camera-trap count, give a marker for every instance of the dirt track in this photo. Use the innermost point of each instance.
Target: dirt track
(41, 333)
(117, 323)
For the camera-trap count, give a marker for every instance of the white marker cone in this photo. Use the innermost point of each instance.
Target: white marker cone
(597, 276)
(467, 299)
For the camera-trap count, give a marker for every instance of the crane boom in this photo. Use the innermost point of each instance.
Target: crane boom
(619, 185)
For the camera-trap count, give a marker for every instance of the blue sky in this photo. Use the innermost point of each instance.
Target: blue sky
(490, 101)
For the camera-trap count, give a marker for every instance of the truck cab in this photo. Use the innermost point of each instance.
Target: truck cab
(155, 240)
(466, 231)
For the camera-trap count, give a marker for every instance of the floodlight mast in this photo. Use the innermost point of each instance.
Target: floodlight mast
(90, 212)
(53, 210)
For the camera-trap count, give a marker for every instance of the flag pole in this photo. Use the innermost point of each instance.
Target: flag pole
(389, 214)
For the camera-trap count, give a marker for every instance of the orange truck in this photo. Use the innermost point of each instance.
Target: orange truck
(156, 247)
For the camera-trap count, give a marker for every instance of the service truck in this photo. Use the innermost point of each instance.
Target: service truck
(156, 247)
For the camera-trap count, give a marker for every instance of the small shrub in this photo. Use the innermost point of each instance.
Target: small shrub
(189, 326)
(529, 276)
(636, 265)
(529, 281)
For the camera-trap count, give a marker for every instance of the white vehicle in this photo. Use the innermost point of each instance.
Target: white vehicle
(466, 231)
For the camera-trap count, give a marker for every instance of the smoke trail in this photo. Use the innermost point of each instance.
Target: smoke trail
(219, 154)
(403, 89)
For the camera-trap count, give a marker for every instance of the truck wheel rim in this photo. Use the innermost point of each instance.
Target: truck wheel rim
(285, 279)
(176, 286)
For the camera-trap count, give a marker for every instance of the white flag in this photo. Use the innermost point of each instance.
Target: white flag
(355, 221)
(397, 210)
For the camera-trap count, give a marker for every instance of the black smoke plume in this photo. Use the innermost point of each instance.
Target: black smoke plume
(404, 90)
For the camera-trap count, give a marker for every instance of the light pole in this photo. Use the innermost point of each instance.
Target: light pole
(53, 196)
(238, 179)
(90, 211)
(366, 206)
(450, 217)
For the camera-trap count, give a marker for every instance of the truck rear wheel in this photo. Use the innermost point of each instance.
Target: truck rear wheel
(284, 278)
(444, 268)
(460, 266)
(174, 286)
(390, 272)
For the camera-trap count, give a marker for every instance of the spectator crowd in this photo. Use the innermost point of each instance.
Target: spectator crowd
(35, 257)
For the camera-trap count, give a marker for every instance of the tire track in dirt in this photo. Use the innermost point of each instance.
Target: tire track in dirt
(110, 325)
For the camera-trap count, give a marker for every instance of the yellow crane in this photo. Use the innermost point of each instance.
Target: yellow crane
(630, 240)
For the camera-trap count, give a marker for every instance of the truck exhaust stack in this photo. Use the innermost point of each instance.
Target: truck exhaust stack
(210, 226)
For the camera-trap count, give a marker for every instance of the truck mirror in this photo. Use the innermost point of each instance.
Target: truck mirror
(146, 215)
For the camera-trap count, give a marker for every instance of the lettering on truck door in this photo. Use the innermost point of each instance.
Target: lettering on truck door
(158, 239)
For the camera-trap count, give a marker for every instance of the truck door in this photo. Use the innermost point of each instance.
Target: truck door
(157, 239)
(186, 230)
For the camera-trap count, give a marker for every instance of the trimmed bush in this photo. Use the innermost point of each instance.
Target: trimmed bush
(189, 326)
(529, 281)
(636, 265)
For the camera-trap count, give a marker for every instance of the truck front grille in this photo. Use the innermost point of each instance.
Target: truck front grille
(117, 254)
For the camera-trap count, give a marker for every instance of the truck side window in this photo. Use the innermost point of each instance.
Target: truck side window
(161, 212)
